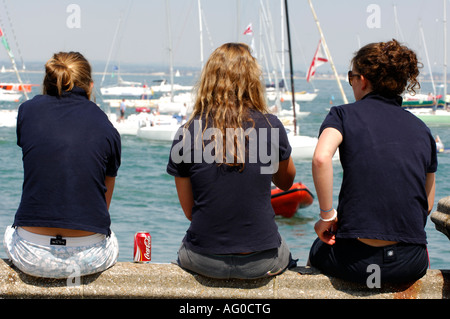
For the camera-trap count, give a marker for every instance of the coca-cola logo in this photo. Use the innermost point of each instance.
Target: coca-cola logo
(148, 247)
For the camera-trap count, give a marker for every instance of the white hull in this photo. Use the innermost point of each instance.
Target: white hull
(289, 113)
(160, 128)
(9, 96)
(299, 96)
(125, 91)
(131, 124)
(166, 88)
(163, 133)
(131, 102)
(164, 103)
(167, 105)
(8, 118)
(302, 146)
(430, 116)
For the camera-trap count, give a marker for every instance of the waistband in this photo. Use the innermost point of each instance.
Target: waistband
(69, 241)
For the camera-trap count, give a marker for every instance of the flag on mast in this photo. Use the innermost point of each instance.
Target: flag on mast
(5, 43)
(249, 30)
(319, 59)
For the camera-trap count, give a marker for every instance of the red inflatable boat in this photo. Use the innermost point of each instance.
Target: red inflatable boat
(286, 203)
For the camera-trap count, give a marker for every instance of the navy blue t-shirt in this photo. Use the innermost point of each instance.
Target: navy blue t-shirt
(69, 146)
(385, 154)
(232, 211)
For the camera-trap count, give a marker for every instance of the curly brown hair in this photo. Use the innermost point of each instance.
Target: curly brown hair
(389, 66)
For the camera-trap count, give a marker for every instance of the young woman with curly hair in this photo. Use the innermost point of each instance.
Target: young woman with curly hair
(389, 162)
(222, 176)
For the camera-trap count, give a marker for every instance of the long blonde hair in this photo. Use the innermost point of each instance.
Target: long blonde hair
(230, 85)
(64, 71)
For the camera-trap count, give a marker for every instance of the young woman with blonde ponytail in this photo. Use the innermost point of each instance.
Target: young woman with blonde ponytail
(71, 155)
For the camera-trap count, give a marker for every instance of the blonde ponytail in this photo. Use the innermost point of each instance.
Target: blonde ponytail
(64, 71)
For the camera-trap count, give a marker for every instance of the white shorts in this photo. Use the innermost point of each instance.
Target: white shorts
(34, 255)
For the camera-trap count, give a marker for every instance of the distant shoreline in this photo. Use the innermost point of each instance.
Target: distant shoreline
(191, 73)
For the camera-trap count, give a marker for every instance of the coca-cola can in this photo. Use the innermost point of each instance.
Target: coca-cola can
(142, 247)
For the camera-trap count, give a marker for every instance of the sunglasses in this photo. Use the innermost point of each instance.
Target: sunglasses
(350, 77)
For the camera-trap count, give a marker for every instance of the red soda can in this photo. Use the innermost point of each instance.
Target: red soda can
(142, 247)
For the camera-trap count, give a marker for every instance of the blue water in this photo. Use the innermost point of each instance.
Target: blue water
(145, 198)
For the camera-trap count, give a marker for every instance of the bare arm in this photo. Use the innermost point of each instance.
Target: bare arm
(109, 183)
(185, 195)
(322, 169)
(430, 187)
(285, 175)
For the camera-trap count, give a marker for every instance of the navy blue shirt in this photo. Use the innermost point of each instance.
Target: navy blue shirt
(232, 211)
(385, 154)
(69, 146)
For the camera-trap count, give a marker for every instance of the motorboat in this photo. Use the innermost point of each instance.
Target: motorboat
(287, 203)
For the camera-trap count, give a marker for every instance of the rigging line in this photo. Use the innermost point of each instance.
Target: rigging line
(116, 33)
(211, 43)
(187, 16)
(299, 45)
(127, 14)
(14, 35)
(110, 50)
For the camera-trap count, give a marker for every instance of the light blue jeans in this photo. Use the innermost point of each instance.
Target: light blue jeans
(261, 264)
(32, 254)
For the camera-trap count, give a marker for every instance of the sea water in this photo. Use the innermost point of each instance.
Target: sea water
(145, 198)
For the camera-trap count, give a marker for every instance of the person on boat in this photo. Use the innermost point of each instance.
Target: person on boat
(389, 162)
(71, 156)
(122, 109)
(233, 233)
(439, 145)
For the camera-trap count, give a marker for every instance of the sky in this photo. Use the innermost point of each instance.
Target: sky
(137, 31)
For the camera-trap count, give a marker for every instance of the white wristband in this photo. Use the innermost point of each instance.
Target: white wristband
(329, 219)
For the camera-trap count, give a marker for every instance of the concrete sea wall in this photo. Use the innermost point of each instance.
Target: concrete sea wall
(168, 281)
(131, 280)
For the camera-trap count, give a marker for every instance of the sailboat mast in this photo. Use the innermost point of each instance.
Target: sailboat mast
(170, 50)
(13, 62)
(201, 32)
(445, 52)
(428, 60)
(290, 63)
(344, 97)
(283, 64)
(110, 50)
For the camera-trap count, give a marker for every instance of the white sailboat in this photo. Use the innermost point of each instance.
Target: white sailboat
(165, 126)
(302, 146)
(433, 113)
(11, 92)
(165, 87)
(126, 88)
(10, 96)
(8, 118)
(159, 128)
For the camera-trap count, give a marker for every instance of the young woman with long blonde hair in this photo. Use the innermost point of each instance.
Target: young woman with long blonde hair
(224, 160)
